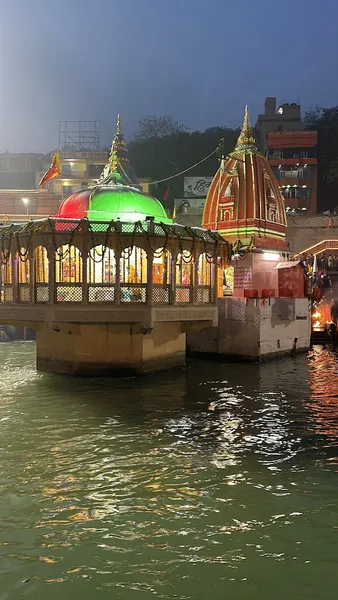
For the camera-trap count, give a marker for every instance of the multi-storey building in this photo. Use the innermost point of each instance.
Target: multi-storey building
(292, 157)
(291, 152)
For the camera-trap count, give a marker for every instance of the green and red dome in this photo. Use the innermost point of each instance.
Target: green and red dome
(112, 202)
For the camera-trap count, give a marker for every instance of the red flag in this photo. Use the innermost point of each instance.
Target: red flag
(53, 171)
(166, 194)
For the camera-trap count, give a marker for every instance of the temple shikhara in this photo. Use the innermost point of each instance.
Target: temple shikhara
(244, 201)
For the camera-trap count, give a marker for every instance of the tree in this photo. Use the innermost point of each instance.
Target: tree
(325, 121)
(152, 127)
(162, 156)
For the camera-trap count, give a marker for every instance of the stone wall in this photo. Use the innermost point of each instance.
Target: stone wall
(256, 329)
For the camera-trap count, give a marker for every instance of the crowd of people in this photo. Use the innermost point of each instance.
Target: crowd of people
(325, 262)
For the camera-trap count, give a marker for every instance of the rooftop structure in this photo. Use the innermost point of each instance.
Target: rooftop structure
(244, 201)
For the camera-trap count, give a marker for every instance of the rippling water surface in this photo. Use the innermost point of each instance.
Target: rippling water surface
(215, 482)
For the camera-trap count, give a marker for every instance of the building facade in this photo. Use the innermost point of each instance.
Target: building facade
(285, 117)
(291, 152)
(292, 157)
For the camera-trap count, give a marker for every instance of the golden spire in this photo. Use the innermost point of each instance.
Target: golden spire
(113, 161)
(246, 138)
(118, 126)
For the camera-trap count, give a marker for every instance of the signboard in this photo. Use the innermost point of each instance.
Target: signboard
(84, 155)
(191, 206)
(196, 187)
(243, 278)
(20, 163)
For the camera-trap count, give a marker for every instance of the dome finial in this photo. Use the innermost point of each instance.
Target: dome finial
(118, 125)
(246, 138)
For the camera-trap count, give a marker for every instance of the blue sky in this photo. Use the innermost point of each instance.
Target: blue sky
(200, 61)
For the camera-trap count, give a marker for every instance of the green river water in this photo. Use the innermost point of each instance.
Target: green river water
(217, 482)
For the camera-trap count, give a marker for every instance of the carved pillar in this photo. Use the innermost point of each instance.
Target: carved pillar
(32, 277)
(150, 286)
(15, 271)
(117, 277)
(85, 258)
(194, 275)
(172, 298)
(51, 272)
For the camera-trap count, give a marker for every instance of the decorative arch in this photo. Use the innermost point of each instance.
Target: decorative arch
(68, 264)
(41, 270)
(204, 267)
(184, 276)
(23, 262)
(41, 264)
(6, 277)
(133, 275)
(101, 265)
(68, 274)
(162, 262)
(7, 270)
(133, 265)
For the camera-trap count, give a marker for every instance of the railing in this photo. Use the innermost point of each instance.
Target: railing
(41, 293)
(105, 293)
(100, 292)
(161, 293)
(203, 295)
(69, 292)
(24, 292)
(8, 293)
(183, 294)
(135, 293)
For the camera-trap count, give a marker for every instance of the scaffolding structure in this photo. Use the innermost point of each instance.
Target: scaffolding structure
(79, 136)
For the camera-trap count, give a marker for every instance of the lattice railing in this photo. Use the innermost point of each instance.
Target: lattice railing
(71, 292)
(41, 293)
(183, 294)
(24, 292)
(135, 293)
(8, 293)
(161, 294)
(101, 293)
(203, 295)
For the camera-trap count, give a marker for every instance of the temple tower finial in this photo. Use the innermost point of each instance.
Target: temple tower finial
(118, 125)
(246, 138)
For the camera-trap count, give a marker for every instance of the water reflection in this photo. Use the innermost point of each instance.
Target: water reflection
(217, 480)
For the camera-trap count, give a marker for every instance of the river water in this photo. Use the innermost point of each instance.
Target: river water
(215, 482)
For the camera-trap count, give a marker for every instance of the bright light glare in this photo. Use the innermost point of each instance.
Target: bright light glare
(271, 256)
(25, 201)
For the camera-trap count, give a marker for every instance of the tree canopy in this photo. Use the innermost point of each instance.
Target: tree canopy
(161, 148)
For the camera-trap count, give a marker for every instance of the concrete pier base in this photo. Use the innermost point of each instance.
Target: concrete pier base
(255, 329)
(110, 350)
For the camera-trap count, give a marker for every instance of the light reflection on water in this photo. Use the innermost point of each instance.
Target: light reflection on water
(219, 481)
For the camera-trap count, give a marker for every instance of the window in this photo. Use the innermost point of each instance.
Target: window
(291, 173)
(280, 128)
(276, 154)
(290, 192)
(304, 154)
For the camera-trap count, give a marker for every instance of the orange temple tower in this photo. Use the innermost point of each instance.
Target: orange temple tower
(244, 202)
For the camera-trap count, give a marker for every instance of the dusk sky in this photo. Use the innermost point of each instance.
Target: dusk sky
(200, 61)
